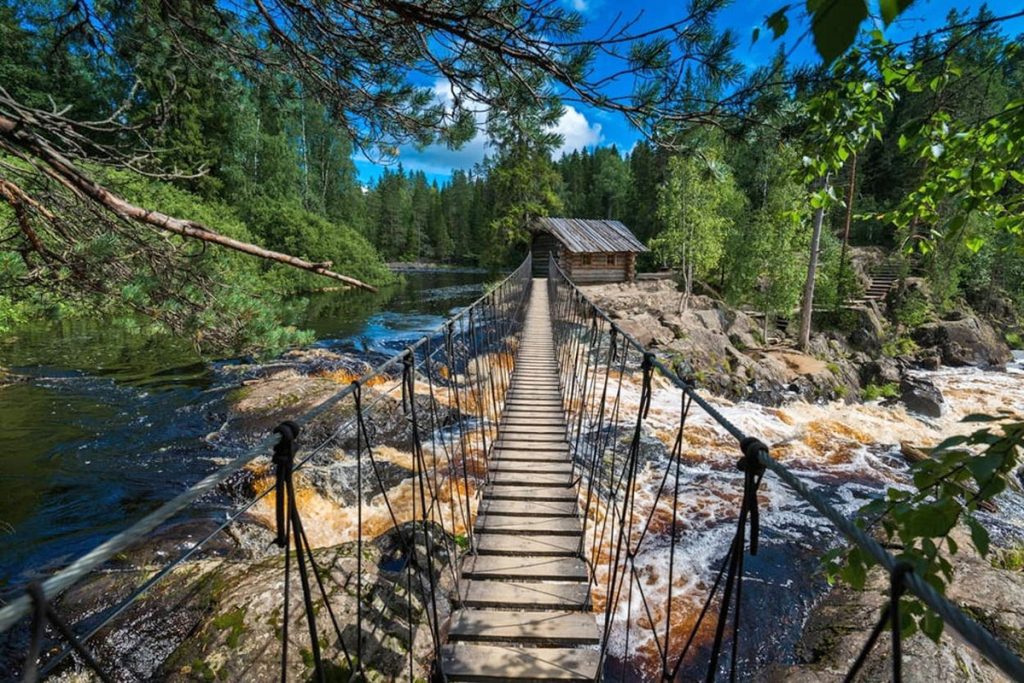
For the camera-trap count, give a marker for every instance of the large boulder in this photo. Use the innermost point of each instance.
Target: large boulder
(880, 371)
(646, 329)
(967, 341)
(921, 396)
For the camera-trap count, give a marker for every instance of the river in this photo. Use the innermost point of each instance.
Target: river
(111, 420)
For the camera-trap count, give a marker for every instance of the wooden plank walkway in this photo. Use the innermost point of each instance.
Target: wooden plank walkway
(525, 602)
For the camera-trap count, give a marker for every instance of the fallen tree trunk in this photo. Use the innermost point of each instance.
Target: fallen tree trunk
(19, 140)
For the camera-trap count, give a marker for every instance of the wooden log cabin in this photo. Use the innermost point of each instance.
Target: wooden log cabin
(588, 250)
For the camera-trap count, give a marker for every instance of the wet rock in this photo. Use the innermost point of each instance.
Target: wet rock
(880, 371)
(965, 341)
(337, 480)
(260, 405)
(868, 328)
(223, 620)
(921, 396)
(743, 331)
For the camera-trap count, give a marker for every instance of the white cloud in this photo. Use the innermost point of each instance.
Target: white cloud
(576, 131)
(580, 5)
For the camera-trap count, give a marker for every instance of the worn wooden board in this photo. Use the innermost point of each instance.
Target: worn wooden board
(540, 627)
(475, 662)
(533, 595)
(524, 568)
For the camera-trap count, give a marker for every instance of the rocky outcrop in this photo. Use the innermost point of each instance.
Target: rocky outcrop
(880, 371)
(222, 619)
(921, 396)
(838, 627)
(264, 401)
(967, 340)
(723, 350)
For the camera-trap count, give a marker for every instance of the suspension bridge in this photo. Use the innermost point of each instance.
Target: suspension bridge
(538, 532)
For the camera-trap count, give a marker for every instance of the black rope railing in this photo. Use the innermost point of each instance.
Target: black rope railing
(433, 409)
(612, 388)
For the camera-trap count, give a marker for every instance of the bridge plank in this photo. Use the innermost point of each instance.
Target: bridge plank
(533, 595)
(528, 546)
(506, 478)
(473, 662)
(502, 492)
(538, 628)
(563, 467)
(524, 568)
(555, 525)
(522, 508)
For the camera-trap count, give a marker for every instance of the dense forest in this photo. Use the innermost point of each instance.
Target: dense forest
(849, 147)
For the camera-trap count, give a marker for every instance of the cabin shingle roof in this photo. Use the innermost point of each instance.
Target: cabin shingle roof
(580, 235)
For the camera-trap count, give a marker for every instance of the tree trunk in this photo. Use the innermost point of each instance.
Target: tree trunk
(840, 294)
(807, 307)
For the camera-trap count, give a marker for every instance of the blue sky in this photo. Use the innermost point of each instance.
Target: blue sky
(583, 126)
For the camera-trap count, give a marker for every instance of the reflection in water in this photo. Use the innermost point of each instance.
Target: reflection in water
(112, 419)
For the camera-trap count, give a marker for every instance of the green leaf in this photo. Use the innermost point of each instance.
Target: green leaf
(984, 467)
(892, 9)
(835, 24)
(931, 520)
(979, 535)
(975, 243)
(778, 22)
(931, 625)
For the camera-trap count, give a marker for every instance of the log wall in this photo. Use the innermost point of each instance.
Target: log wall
(590, 268)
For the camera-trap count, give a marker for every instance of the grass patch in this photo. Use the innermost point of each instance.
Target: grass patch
(873, 392)
(234, 623)
(1011, 559)
(900, 346)
(203, 671)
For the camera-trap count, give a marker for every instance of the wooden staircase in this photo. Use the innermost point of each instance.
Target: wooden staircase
(524, 604)
(883, 277)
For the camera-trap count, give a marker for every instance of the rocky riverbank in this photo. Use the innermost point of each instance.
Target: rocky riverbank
(219, 615)
(726, 352)
(833, 636)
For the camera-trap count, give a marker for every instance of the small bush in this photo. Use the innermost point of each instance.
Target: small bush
(1015, 340)
(873, 392)
(899, 346)
(914, 310)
